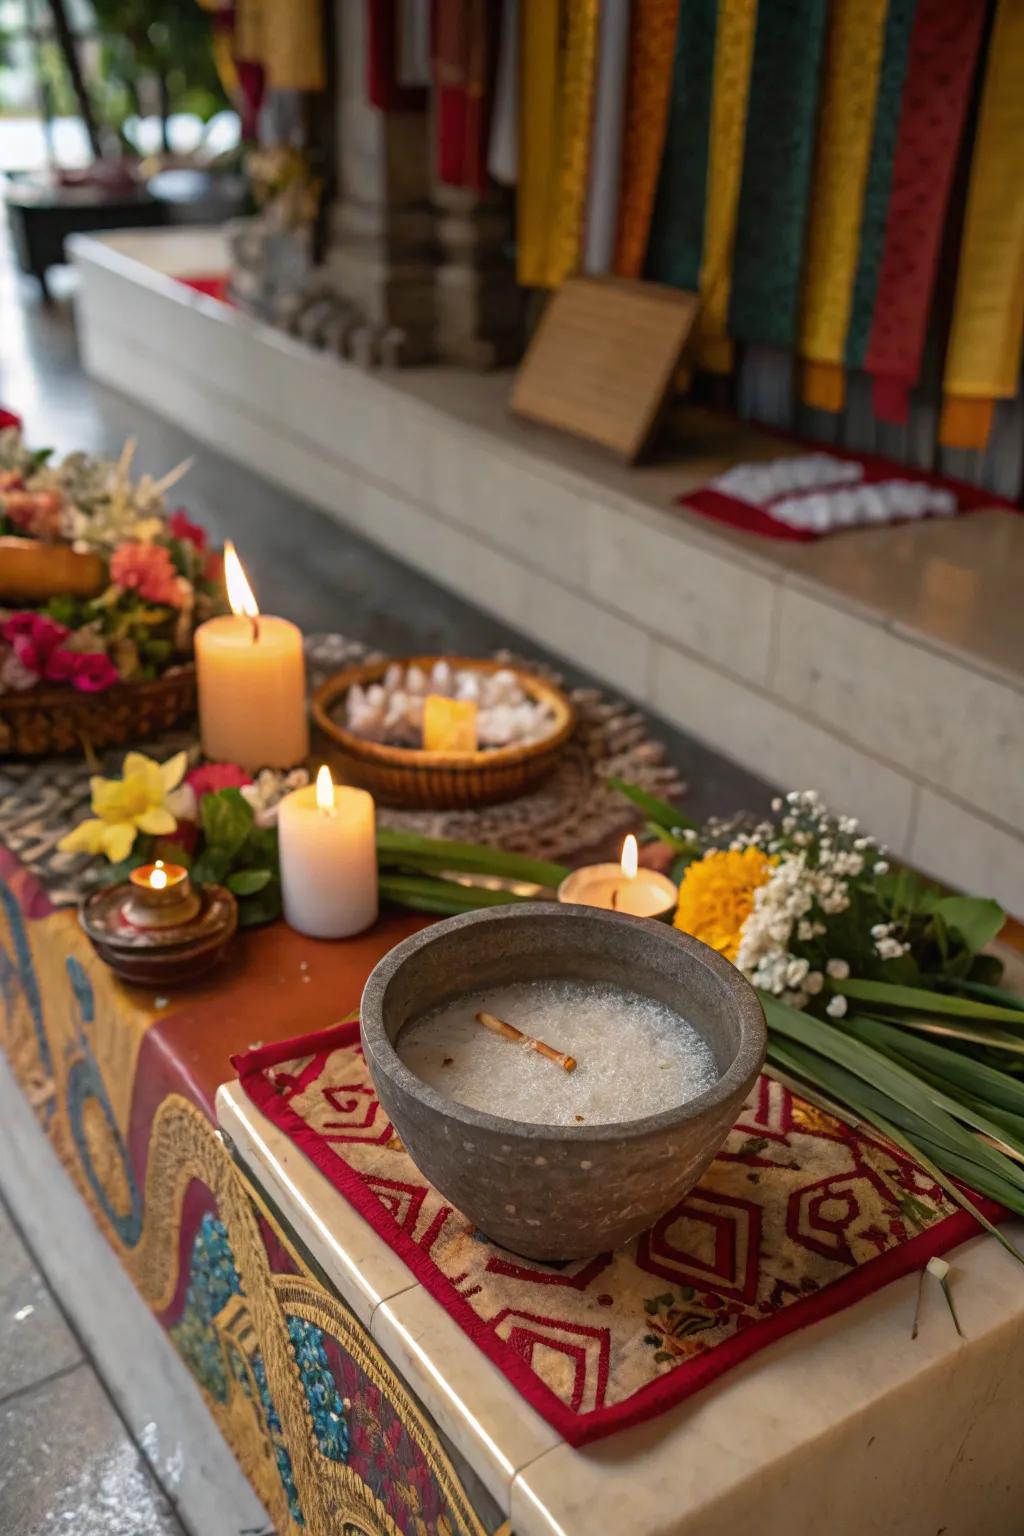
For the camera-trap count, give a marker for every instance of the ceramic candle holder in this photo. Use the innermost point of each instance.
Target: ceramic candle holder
(156, 930)
(648, 893)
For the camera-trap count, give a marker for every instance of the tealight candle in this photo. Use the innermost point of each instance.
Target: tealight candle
(251, 675)
(623, 887)
(327, 839)
(161, 896)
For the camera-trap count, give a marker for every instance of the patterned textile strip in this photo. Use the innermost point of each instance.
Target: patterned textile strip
(540, 136)
(940, 70)
(384, 88)
(853, 61)
(677, 228)
(652, 31)
(578, 86)
(595, 1345)
(463, 44)
(983, 359)
(899, 23)
(734, 51)
(784, 86)
(607, 133)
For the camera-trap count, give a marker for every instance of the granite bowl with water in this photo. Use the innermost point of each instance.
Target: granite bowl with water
(560, 1191)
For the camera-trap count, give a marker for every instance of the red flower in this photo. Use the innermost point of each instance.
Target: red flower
(213, 570)
(34, 639)
(148, 570)
(208, 778)
(35, 512)
(86, 671)
(181, 526)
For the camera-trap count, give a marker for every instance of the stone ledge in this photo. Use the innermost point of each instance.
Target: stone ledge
(719, 632)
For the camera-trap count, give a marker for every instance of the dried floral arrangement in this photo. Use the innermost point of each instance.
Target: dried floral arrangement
(99, 582)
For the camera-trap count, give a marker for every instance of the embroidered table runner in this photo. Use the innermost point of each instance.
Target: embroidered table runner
(798, 1216)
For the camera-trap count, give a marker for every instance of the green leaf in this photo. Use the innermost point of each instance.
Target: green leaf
(227, 820)
(994, 1087)
(434, 853)
(264, 907)
(423, 894)
(667, 816)
(924, 1000)
(976, 920)
(172, 853)
(246, 882)
(212, 866)
(989, 993)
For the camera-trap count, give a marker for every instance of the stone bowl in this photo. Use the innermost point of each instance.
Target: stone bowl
(552, 1191)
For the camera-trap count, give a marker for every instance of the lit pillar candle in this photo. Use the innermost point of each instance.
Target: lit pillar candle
(251, 675)
(623, 887)
(328, 849)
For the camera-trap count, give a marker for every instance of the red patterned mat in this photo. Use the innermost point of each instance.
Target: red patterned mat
(798, 1216)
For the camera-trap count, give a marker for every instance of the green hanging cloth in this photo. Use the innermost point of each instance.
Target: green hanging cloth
(899, 24)
(778, 158)
(677, 228)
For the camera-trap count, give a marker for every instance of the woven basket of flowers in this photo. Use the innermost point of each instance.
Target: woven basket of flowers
(101, 590)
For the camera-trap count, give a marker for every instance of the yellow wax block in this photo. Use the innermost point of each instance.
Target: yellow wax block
(449, 725)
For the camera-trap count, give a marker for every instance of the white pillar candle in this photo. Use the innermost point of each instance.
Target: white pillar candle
(251, 675)
(328, 850)
(621, 887)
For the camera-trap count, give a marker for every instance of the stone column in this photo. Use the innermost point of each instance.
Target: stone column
(480, 309)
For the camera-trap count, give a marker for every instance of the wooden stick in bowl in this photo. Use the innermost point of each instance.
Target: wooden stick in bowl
(509, 1032)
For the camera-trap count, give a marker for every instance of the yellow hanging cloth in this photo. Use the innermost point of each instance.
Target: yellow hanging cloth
(580, 77)
(540, 117)
(983, 358)
(286, 37)
(734, 50)
(846, 118)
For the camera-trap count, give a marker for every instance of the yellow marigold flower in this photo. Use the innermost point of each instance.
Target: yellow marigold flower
(716, 896)
(140, 801)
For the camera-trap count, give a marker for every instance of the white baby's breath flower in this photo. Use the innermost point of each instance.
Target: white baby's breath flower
(880, 930)
(796, 970)
(838, 969)
(804, 931)
(796, 1000)
(882, 867)
(889, 949)
(813, 983)
(836, 1006)
(777, 804)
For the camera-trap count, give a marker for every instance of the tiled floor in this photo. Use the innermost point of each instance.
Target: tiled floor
(67, 1463)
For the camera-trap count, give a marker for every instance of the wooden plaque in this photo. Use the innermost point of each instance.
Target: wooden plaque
(603, 360)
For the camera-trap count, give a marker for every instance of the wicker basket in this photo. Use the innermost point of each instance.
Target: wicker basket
(42, 722)
(418, 780)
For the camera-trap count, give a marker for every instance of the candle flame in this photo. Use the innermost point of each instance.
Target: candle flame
(325, 789)
(630, 857)
(158, 879)
(239, 591)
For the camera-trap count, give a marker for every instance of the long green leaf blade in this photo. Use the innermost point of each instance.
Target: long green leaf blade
(667, 816)
(924, 1001)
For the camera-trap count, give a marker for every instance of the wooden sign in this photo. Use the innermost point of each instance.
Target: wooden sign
(604, 359)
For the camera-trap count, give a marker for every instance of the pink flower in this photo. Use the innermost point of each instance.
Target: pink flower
(181, 526)
(35, 512)
(148, 570)
(86, 671)
(34, 638)
(208, 778)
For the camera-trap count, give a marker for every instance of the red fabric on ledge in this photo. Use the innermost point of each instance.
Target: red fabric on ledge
(798, 1216)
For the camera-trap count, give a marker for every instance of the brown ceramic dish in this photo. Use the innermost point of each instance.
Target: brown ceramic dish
(162, 957)
(557, 1191)
(418, 780)
(48, 721)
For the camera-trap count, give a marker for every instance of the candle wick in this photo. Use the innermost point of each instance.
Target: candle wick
(254, 620)
(615, 898)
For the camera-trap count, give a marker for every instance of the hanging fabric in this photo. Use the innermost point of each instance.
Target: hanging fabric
(734, 51)
(462, 76)
(984, 353)
(651, 38)
(677, 228)
(540, 140)
(899, 24)
(784, 86)
(579, 82)
(853, 62)
(944, 48)
(293, 44)
(606, 137)
(412, 56)
(503, 150)
(384, 83)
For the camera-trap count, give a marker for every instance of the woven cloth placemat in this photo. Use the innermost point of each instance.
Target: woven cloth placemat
(798, 1216)
(571, 816)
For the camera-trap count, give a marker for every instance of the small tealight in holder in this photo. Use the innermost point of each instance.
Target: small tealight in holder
(623, 887)
(156, 929)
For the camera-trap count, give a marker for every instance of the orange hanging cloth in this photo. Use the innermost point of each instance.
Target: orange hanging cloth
(984, 354)
(651, 44)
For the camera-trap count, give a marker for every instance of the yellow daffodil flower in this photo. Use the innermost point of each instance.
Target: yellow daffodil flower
(140, 801)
